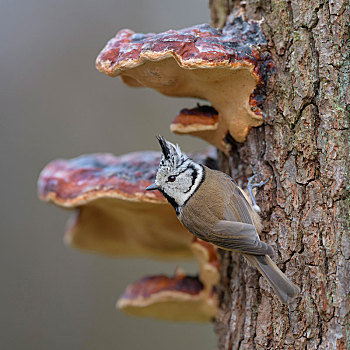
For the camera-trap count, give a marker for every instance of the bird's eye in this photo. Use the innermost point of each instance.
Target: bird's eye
(171, 178)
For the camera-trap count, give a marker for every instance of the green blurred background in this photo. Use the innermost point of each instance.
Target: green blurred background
(54, 104)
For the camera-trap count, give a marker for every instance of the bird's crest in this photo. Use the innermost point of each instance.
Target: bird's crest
(171, 154)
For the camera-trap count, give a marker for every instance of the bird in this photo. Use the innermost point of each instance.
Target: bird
(211, 205)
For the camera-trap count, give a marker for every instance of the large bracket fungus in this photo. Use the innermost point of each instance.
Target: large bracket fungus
(226, 67)
(115, 215)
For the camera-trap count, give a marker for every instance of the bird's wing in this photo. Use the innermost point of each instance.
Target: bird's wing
(237, 207)
(237, 232)
(240, 237)
(234, 229)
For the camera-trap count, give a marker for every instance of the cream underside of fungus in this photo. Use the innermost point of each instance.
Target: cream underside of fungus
(228, 89)
(198, 129)
(122, 227)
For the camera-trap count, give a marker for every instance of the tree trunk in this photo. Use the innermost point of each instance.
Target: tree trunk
(304, 148)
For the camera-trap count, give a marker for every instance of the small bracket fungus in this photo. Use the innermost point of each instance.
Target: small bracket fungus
(115, 215)
(200, 121)
(178, 298)
(224, 66)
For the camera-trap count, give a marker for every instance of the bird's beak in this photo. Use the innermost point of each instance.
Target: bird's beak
(152, 187)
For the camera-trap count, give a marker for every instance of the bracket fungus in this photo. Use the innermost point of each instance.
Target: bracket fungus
(178, 298)
(116, 216)
(200, 121)
(226, 67)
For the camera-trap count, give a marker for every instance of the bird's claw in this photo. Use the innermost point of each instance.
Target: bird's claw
(261, 183)
(250, 187)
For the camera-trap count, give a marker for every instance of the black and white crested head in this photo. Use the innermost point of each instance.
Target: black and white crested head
(178, 176)
(171, 154)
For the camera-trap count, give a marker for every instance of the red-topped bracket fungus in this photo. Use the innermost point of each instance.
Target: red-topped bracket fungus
(115, 215)
(178, 298)
(200, 121)
(227, 67)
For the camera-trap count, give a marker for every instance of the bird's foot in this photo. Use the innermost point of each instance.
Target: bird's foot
(250, 188)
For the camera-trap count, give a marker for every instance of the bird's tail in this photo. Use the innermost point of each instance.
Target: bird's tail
(283, 287)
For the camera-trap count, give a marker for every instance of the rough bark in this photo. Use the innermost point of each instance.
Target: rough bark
(304, 148)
